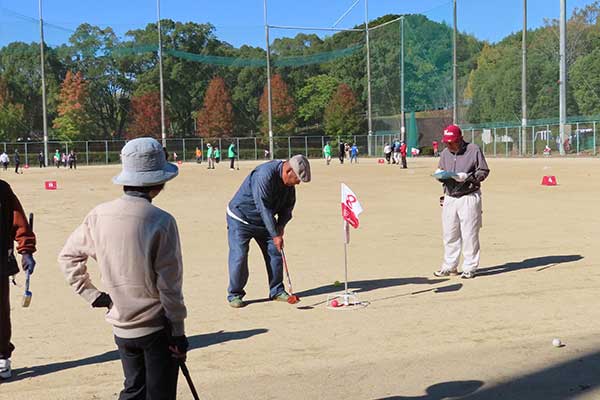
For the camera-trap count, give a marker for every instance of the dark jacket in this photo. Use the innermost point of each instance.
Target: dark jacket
(263, 196)
(468, 159)
(13, 227)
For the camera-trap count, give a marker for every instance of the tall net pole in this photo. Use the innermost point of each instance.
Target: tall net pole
(269, 99)
(369, 114)
(454, 71)
(42, 62)
(160, 74)
(563, 74)
(524, 83)
(402, 123)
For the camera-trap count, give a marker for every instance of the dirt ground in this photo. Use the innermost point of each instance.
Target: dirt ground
(420, 337)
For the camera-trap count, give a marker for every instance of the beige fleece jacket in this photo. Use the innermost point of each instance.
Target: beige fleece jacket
(136, 246)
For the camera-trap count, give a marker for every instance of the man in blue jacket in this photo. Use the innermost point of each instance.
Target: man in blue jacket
(260, 210)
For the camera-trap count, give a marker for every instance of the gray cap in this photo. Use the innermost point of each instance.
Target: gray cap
(301, 167)
(144, 164)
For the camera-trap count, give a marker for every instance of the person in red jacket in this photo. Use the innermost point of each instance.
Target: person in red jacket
(403, 154)
(13, 227)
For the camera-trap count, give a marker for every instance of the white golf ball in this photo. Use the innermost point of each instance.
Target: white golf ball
(556, 342)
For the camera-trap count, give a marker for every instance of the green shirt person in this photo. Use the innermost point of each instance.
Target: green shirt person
(327, 152)
(217, 154)
(231, 153)
(210, 155)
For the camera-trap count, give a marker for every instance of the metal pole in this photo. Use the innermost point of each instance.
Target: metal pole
(594, 140)
(26, 155)
(106, 152)
(506, 141)
(577, 131)
(454, 71)
(289, 148)
(255, 150)
(346, 258)
(238, 150)
(403, 123)
(369, 114)
(87, 153)
(563, 74)
(524, 80)
(183, 145)
(269, 98)
(533, 140)
(202, 148)
(495, 137)
(44, 112)
(306, 146)
(160, 74)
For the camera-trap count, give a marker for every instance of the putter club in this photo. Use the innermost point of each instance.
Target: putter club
(293, 299)
(188, 378)
(26, 300)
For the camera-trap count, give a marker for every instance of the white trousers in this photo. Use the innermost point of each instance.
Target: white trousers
(461, 221)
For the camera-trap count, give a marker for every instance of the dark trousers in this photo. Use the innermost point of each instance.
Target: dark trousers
(231, 162)
(17, 167)
(404, 161)
(239, 236)
(150, 370)
(6, 347)
(42, 165)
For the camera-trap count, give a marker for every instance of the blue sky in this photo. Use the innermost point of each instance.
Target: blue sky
(241, 21)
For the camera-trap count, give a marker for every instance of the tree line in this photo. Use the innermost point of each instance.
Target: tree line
(101, 86)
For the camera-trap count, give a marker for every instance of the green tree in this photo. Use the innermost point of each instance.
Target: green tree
(11, 115)
(314, 97)
(343, 113)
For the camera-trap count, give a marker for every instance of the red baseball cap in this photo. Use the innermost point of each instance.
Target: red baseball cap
(452, 134)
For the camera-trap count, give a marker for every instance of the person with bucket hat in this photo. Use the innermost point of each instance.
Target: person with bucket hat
(260, 210)
(463, 167)
(137, 249)
(13, 228)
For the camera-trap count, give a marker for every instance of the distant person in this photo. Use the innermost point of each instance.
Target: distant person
(210, 156)
(72, 160)
(461, 209)
(217, 154)
(260, 210)
(231, 154)
(387, 152)
(56, 158)
(347, 150)
(403, 148)
(435, 146)
(175, 156)
(4, 160)
(342, 152)
(396, 151)
(198, 155)
(17, 159)
(354, 153)
(547, 151)
(63, 158)
(41, 159)
(267, 153)
(327, 153)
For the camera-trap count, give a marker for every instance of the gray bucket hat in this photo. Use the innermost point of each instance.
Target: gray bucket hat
(144, 164)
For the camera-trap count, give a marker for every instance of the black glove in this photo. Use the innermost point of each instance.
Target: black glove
(27, 262)
(102, 301)
(179, 346)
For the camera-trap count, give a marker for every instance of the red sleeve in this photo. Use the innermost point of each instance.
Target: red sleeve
(22, 233)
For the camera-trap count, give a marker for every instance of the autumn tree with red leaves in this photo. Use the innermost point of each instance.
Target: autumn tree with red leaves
(283, 108)
(73, 113)
(145, 116)
(215, 119)
(343, 114)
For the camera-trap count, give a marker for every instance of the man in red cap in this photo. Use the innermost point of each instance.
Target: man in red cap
(461, 215)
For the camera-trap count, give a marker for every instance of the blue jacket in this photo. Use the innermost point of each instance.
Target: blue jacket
(262, 196)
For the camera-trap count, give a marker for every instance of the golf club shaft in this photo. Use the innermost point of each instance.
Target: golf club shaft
(188, 378)
(287, 273)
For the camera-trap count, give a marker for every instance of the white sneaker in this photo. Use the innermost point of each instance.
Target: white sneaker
(5, 371)
(444, 272)
(468, 275)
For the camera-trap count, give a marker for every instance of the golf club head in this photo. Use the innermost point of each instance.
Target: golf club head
(26, 300)
(293, 299)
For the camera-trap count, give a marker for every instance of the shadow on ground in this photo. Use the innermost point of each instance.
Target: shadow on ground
(537, 262)
(196, 342)
(368, 285)
(567, 380)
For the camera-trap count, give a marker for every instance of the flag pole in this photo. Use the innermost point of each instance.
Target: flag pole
(346, 238)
